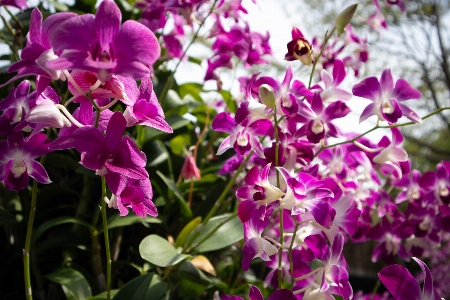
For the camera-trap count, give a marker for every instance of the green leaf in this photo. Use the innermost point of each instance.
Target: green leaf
(156, 152)
(160, 252)
(344, 18)
(58, 221)
(145, 287)
(193, 282)
(228, 98)
(102, 295)
(185, 210)
(193, 89)
(181, 238)
(228, 234)
(6, 217)
(178, 143)
(73, 283)
(119, 221)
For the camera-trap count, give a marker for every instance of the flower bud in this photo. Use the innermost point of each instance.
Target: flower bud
(299, 48)
(190, 170)
(267, 95)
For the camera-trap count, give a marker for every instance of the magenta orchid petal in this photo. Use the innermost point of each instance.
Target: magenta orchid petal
(391, 110)
(410, 114)
(225, 145)
(335, 110)
(386, 81)
(255, 293)
(400, 283)
(38, 172)
(369, 88)
(223, 122)
(429, 292)
(107, 23)
(367, 112)
(338, 72)
(116, 126)
(404, 91)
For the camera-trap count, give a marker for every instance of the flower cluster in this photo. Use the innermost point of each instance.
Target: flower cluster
(101, 59)
(302, 196)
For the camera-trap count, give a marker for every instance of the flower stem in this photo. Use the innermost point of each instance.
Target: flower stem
(26, 250)
(291, 261)
(327, 37)
(277, 149)
(378, 126)
(108, 251)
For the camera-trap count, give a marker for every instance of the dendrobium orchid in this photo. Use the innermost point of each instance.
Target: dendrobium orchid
(17, 162)
(299, 48)
(242, 136)
(102, 45)
(387, 98)
(257, 193)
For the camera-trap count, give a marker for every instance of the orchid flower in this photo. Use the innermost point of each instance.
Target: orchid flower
(387, 99)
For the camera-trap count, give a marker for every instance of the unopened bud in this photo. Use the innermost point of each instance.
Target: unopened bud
(267, 95)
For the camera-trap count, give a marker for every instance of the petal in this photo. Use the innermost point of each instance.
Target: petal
(335, 110)
(75, 34)
(38, 172)
(11, 181)
(400, 283)
(223, 122)
(115, 129)
(255, 293)
(429, 292)
(224, 146)
(369, 88)
(386, 82)
(404, 91)
(252, 176)
(134, 41)
(246, 209)
(107, 23)
(367, 112)
(338, 72)
(410, 114)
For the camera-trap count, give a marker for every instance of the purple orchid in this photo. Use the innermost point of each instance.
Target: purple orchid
(392, 155)
(101, 45)
(242, 136)
(402, 285)
(133, 193)
(305, 194)
(17, 162)
(109, 152)
(256, 246)
(15, 108)
(330, 91)
(387, 99)
(38, 51)
(146, 109)
(317, 119)
(258, 193)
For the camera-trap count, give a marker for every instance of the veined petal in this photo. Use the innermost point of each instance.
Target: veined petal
(429, 292)
(404, 91)
(134, 41)
(225, 145)
(410, 114)
(338, 72)
(400, 283)
(367, 112)
(223, 122)
(107, 23)
(76, 33)
(386, 82)
(115, 129)
(369, 88)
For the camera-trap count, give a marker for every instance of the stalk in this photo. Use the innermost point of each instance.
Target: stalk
(26, 250)
(106, 235)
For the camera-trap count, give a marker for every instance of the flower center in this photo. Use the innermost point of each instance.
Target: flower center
(18, 167)
(317, 127)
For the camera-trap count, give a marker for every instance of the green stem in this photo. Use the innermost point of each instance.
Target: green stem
(327, 37)
(14, 17)
(168, 84)
(291, 261)
(26, 250)
(105, 233)
(219, 201)
(375, 289)
(280, 254)
(378, 126)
